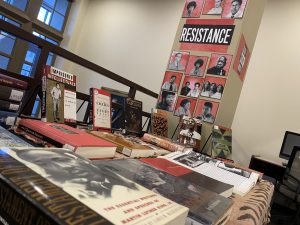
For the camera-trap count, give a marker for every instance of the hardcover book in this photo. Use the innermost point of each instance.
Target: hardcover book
(133, 116)
(130, 145)
(59, 96)
(9, 106)
(11, 94)
(7, 119)
(61, 135)
(205, 207)
(12, 82)
(242, 180)
(191, 176)
(100, 110)
(7, 139)
(190, 132)
(56, 186)
(221, 142)
(159, 124)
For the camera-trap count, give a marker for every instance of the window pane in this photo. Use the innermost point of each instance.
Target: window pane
(44, 15)
(26, 70)
(30, 55)
(50, 3)
(20, 4)
(51, 41)
(61, 6)
(6, 43)
(57, 21)
(9, 21)
(4, 62)
(36, 107)
(50, 59)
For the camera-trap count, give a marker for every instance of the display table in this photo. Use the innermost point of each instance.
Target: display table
(254, 207)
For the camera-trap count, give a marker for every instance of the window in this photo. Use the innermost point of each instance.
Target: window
(53, 12)
(4, 62)
(32, 54)
(20, 4)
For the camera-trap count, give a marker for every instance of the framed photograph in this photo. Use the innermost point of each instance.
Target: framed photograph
(219, 64)
(213, 87)
(242, 58)
(178, 60)
(234, 9)
(171, 81)
(213, 7)
(166, 101)
(206, 111)
(191, 86)
(192, 8)
(196, 65)
(190, 132)
(185, 106)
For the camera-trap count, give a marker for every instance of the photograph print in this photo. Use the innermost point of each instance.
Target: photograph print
(166, 101)
(206, 111)
(191, 86)
(219, 64)
(55, 101)
(185, 106)
(171, 81)
(190, 132)
(192, 8)
(213, 7)
(234, 9)
(178, 60)
(213, 87)
(196, 65)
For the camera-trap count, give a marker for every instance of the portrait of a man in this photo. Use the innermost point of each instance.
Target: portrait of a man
(219, 64)
(171, 81)
(206, 111)
(234, 9)
(178, 61)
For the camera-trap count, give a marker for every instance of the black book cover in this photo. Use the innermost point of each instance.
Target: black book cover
(133, 116)
(11, 94)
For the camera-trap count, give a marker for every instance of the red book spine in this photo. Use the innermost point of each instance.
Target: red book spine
(12, 82)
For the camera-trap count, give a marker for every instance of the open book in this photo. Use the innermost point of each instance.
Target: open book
(242, 180)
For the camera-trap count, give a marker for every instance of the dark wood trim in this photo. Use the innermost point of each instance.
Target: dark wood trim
(13, 13)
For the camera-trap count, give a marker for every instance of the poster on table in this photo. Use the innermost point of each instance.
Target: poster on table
(185, 106)
(191, 86)
(242, 59)
(209, 35)
(213, 87)
(206, 111)
(234, 9)
(213, 7)
(219, 64)
(171, 81)
(196, 65)
(178, 60)
(192, 8)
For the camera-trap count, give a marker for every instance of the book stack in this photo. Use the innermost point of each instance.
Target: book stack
(11, 95)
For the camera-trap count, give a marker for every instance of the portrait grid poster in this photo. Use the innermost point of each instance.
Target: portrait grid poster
(206, 110)
(166, 101)
(178, 60)
(196, 65)
(213, 7)
(171, 81)
(234, 9)
(192, 8)
(219, 64)
(185, 106)
(216, 86)
(242, 58)
(189, 84)
(208, 35)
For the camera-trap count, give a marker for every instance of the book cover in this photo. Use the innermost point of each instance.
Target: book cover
(9, 106)
(190, 132)
(7, 119)
(100, 110)
(86, 194)
(7, 139)
(189, 175)
(59, 96)
(11, 94)
(130, 145)
(221, 142)
(61, 135)
(12, 82)
(133, 116)
(159, 124)
(205, 207)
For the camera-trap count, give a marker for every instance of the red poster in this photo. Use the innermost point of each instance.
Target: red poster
(171, 81)
(208, 35)
(213, 87)
(219, 64)
(234, 9)
(191, 86)
(185, 106)
(196, 65)
(242, 59)
(178, 60)
(192, 8)
(166, 101)
(213, 7)
(206, 111)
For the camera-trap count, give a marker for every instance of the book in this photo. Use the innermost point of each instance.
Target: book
(99, 110)
(11, 94)
(163, 142)
(12, 82)
(9, 106)
(190, 132)
(7, 119)
(242, 180)
(8, 139)
(68, 189)
(61, 135)
(205, 207)
(59, 96)
(189, 175)
(130, 145)
(221, 142)
(133, 116)
(159, 124)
